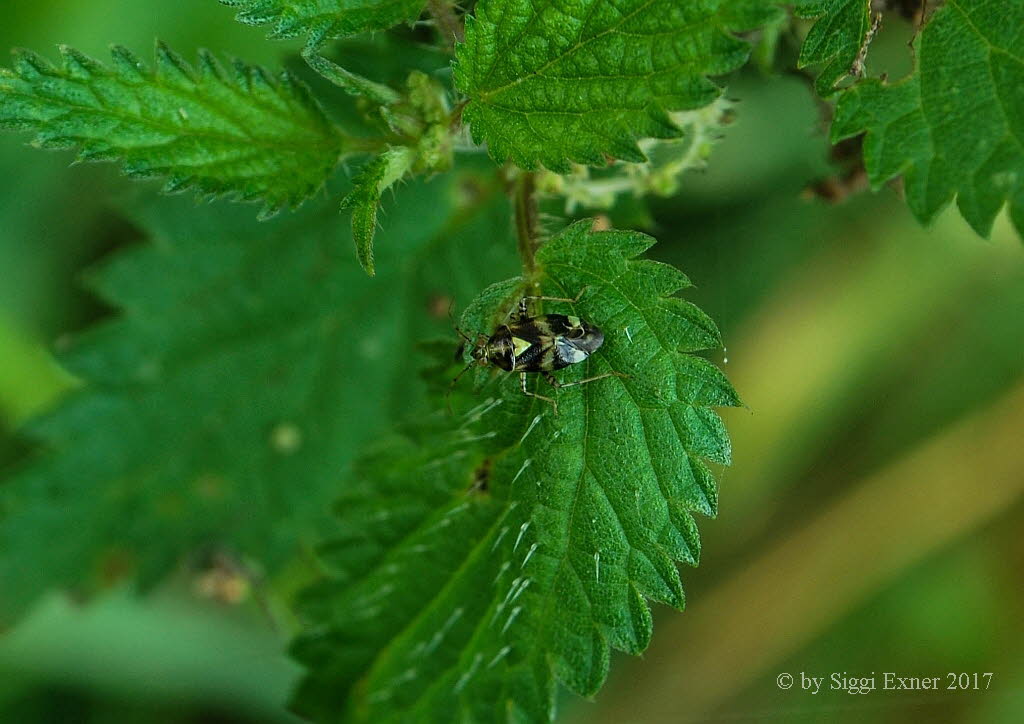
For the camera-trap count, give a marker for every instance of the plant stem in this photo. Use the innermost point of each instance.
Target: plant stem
(448, 23)
(527, 216)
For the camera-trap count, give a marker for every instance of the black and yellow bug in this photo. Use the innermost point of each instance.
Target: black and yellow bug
(538, 344)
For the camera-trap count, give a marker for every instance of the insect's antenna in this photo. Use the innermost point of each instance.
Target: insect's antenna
(458, 355)
(455, 325)
(451, 387)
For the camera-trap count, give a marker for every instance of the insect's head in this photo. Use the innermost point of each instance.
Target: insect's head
(478, 349)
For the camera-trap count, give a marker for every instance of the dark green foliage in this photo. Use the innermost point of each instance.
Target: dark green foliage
(222, 406)
(483, 557)
(240, 132)
(956, 126)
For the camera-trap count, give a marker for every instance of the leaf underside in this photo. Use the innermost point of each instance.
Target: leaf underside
(221, 407)
(484, 556)
(956, 125)
(577, 81)
(239, 132)
(322, 19)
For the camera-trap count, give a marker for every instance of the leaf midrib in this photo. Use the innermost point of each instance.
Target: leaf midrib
(327, 139)
(484, 95)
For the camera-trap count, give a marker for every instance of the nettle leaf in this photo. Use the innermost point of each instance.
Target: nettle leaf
(835, 40)
(380, 174)
(242, 133)
(956, 125)
(485, 556)
(249, 362)
(578, 81)
(322, 19)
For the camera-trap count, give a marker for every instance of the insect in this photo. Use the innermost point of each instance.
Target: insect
(537, 344)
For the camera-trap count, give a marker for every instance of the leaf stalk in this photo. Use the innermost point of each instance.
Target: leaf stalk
(527, 219)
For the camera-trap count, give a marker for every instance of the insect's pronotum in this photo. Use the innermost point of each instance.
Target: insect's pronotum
(541, 344)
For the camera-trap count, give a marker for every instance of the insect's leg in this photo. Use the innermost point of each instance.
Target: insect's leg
(524, 312)
(451, 387)
(517, 312)
(557, 384)
(522, 302)
(522, 384)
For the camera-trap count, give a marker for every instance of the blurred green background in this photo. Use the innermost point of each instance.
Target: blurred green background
(871, 521)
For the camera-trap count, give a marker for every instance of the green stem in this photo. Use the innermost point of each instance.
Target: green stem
(448, 23)
(527, 217)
